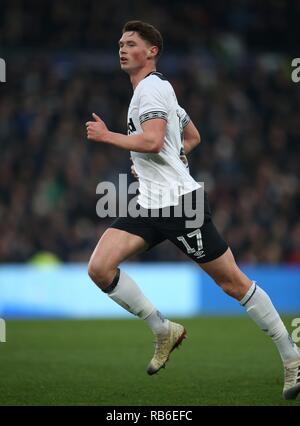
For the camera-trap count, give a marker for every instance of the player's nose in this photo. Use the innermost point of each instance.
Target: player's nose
(122, 51)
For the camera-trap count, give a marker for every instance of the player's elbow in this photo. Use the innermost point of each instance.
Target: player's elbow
(156, 145)
(197, 138)
(191, 135)
(156, 148)
(195, 141)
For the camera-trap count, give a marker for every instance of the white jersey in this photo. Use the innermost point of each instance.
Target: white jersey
(163, 177)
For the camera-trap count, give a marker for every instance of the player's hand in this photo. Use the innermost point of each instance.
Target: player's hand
(96, 130)
(133, 171)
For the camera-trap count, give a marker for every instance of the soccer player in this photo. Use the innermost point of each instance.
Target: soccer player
(159, 133)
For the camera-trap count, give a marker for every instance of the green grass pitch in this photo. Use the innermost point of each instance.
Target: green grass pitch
(224, 361)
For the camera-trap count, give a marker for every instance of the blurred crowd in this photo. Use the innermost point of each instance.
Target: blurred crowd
(186, 24)
(231, 72)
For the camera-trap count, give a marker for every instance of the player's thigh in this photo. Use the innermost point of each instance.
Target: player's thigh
(115, 246)
(221, 268)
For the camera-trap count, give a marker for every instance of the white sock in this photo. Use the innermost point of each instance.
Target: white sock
(157, 323)
(124, 291)
(260, 308)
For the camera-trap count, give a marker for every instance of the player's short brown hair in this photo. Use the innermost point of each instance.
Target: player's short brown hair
(147, 32)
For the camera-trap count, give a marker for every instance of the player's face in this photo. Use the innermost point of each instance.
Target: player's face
(133, 51)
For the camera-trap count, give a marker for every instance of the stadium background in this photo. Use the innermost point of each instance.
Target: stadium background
(230, 65)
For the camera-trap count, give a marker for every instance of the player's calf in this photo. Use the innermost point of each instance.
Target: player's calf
(234, 283)
(225, 272)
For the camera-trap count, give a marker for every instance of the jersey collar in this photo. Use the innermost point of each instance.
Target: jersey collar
(159, 74)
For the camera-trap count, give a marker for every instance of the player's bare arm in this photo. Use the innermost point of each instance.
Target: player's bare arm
(149, 141)
(191, 137)
(191, 140)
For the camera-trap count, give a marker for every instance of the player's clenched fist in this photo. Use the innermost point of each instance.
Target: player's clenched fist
(133, 171)
(96, 130)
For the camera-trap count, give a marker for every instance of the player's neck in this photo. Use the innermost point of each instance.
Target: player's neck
(138, 76)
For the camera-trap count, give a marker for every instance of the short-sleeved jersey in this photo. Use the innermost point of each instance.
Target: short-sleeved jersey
(163, 177)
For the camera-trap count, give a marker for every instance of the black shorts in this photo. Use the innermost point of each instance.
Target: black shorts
(202, 244)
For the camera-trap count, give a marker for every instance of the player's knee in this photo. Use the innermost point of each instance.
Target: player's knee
(94, 271)
(99, 273)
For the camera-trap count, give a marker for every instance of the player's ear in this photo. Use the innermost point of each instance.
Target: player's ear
(152, 52)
